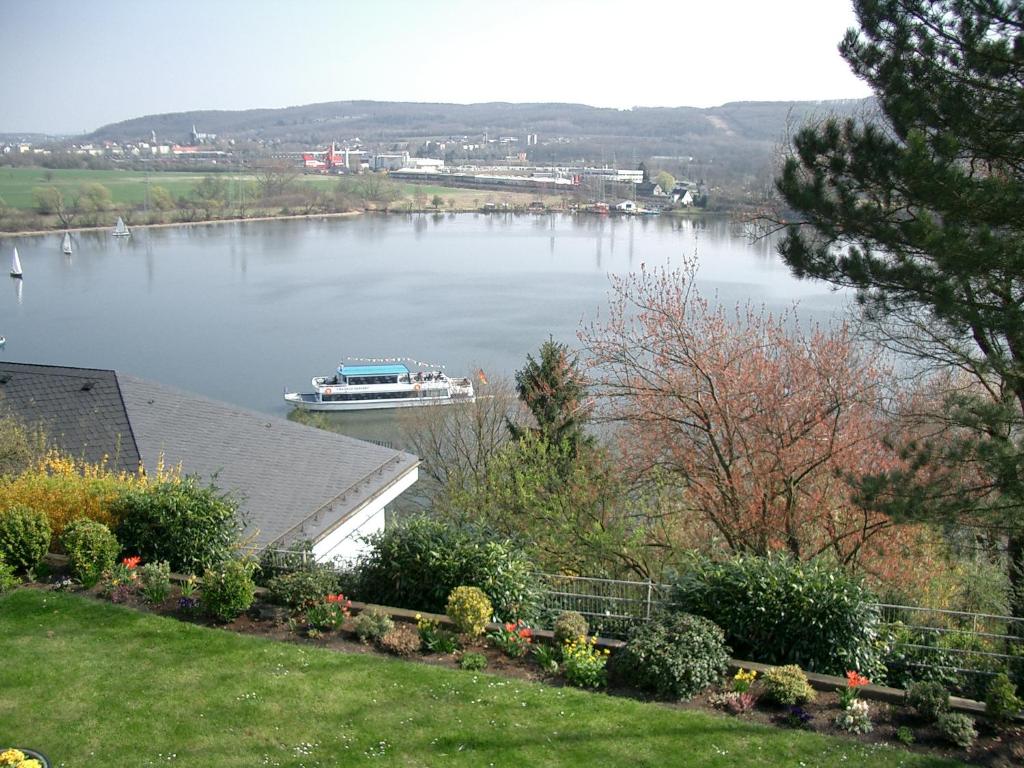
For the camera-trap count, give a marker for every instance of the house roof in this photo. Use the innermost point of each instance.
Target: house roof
(292, 481)
(80, 410)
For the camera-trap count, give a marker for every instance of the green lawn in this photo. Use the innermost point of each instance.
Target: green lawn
(16, 184)
(100, 685)
(129, 187)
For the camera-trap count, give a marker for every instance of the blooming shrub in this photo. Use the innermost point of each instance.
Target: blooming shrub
(584, 664)
(513, 639)
(191, 526)
(155, 582)
(228, 590)
(401, 640)
(856, 718)
(474, 662)
(24, 537)
(470, 610)
(928, 699)
(1001, 701)
(330, 613)
(854, 682)
(15, 758)
(372, 624)
(787, 685)
(120, 581)
(742, 680)
(778, 611)
(733, 702)
(798, 717)
(957, 728)
(569, 625)
(675, 655)
(301, 589)
(418, 562)
(64, 489)
(188, 602)
(91, 548)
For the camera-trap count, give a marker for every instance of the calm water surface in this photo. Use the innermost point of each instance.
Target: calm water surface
(237, 312)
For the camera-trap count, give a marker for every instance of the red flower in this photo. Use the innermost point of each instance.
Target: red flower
(339, 598)
(510, 627)
(855, 679)
(131, 562)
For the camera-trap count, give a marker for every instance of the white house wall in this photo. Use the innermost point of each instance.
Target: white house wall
(345, 541)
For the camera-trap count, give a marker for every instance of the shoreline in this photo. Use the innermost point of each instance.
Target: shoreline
(344, 214)
(233, 220)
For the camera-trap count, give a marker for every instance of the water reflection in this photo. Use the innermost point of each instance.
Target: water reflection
(273, 303)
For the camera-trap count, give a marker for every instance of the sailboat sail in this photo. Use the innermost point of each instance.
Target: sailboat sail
(15, 264)
(120, 230)
(66, 245)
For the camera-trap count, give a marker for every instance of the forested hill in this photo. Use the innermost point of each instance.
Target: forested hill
(663, 129)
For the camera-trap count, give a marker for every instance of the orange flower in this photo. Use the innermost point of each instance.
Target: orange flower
(855, 679)
(131, 562)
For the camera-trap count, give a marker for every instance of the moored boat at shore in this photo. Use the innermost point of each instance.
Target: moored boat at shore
(120, 229)
(367, 387)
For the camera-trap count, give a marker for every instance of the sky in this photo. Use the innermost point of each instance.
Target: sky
(70, 66)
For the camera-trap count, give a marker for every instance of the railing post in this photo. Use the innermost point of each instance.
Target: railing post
(650, 594)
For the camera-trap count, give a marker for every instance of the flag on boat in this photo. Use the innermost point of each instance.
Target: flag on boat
(480, 375)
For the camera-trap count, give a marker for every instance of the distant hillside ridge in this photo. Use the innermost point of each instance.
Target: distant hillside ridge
(381, 121)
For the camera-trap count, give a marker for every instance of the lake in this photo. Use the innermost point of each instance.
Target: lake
(240, 311)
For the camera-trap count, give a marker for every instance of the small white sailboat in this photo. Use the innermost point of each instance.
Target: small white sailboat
(15, 264)
(66, 245)
(120, 230)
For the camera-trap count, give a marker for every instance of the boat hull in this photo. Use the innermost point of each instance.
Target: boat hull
(310, 402)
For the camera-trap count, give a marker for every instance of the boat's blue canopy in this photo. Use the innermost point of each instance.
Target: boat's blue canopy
(372, 370)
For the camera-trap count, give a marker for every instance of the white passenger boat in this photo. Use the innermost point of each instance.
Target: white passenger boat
(364, 387)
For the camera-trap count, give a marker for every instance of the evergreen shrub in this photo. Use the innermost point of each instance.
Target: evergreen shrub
(372, 624)
(570, 625)
(228, 589)
(301, 589)
(24, 537)
(8, 580)
(470, 610)
(191, 526)
(91, 548)
(1001, 701)
(777, 610)
(673, 655)
(928, 698)
(787, 685)
(418, 562)
(957, 728)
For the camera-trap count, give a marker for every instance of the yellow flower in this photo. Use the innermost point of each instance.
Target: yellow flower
(33, 763)
(11, 757)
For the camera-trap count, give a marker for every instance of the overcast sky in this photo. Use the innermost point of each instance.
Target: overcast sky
(71, 65)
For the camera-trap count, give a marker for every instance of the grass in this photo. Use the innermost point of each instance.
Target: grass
(93, 684)
(126, 187)
(129, 187)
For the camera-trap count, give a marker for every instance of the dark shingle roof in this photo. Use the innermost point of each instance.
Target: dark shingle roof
(283, 472)
(293, 481)
(79, 409)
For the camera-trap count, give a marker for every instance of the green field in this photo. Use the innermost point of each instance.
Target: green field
(94, 684)
(126, 187)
